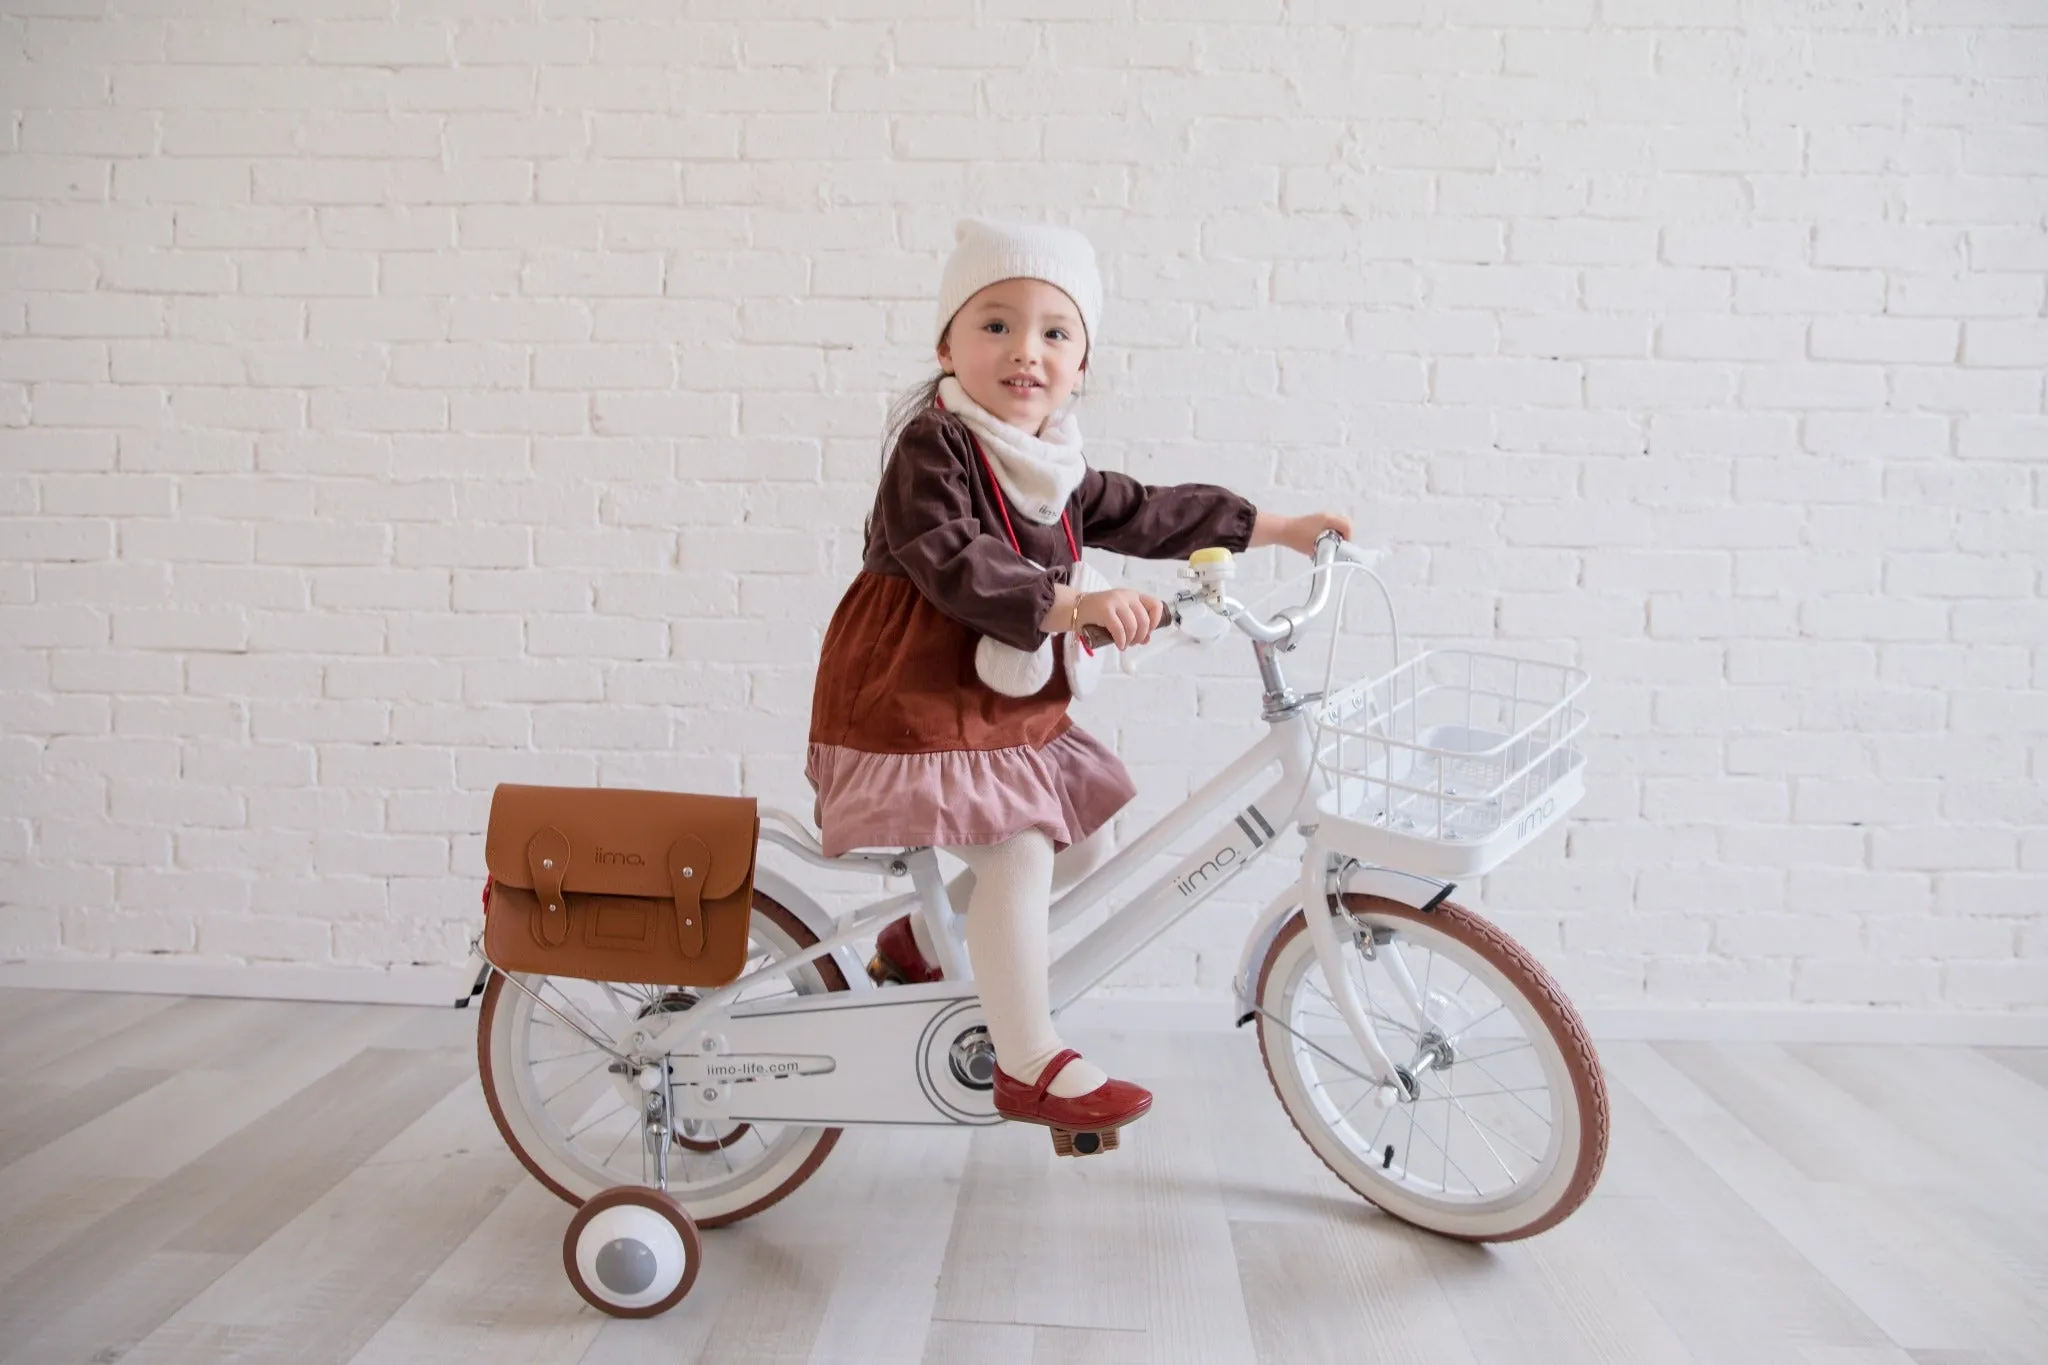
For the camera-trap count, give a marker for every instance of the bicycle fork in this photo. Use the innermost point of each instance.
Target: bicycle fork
(1320, 874)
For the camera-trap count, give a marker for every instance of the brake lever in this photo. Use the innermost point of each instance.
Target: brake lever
(1364, 556)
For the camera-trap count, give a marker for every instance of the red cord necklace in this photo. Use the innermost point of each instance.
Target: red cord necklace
(1003, 506)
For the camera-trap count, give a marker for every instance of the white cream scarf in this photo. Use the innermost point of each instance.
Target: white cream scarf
(1038, 473)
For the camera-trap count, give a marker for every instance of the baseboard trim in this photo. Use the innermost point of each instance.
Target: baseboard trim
(1113, 1013)
(250, 980)
(1738, 1024)
(1732, 1024)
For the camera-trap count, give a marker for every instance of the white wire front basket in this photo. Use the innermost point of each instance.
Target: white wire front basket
(1451, 762)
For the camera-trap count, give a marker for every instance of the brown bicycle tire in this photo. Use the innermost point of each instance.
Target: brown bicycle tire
(1536, 986)
(494, 994)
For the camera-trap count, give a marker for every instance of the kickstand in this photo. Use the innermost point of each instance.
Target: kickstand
(483, 978)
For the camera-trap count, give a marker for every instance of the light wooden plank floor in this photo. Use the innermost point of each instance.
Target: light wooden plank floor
(186, 1181)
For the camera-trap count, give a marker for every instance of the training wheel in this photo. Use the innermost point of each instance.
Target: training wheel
(632, 1252)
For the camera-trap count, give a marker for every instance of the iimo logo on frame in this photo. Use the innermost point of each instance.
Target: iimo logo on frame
(1226, 857)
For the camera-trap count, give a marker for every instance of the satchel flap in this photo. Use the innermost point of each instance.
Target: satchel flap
(619, 838)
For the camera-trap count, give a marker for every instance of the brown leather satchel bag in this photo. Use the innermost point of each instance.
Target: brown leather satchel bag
(610, 884)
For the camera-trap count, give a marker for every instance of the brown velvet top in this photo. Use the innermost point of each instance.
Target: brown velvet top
(896, 674)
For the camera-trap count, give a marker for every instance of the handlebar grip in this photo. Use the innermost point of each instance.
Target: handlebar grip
(1095, 637)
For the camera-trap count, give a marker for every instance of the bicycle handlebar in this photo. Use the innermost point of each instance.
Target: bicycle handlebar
(1330, 547)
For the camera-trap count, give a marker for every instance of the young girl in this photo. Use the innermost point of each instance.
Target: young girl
(984, 510)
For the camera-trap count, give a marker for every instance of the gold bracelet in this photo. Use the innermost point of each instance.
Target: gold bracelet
(1074, 628)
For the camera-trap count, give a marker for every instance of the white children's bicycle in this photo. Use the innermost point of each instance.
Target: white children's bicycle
(1427, 1058)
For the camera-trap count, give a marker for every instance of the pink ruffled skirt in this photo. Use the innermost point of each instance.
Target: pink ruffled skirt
(1068, 789)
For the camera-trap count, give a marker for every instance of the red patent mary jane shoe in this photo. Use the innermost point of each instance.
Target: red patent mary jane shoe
(1081, 1126)
(897, 960)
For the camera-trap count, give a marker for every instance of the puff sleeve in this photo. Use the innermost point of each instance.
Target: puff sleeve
(1165, 522)
(926, 519)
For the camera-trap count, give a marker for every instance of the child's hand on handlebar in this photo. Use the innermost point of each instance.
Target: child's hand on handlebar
(1299, 533)
(1128, 615)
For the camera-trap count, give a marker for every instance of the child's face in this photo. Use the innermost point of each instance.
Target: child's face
(1018, 349)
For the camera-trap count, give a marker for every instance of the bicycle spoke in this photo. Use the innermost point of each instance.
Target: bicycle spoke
(1439, 1093)
(575, 1080)
(569, 1006)
(1449, 1161)
(1369, 1013)
(1477, 1022)
(1477, 1193)
(1373, 1146)
(1533, 1157)
(1343, 1080)
(1482, 1141)
(617, 1105)
(1345, 1026)
(1541, 1118)
(1371, 1007)
(1392, 1022)
(1345, 1116)
(1311, 1044)
(1481, 1094)
(620, 1143)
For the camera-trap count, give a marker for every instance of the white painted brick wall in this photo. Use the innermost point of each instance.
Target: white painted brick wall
(402, 396)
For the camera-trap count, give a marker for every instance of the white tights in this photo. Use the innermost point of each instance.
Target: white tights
(1007, 942)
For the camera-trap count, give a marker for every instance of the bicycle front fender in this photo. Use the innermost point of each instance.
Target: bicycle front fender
(1422, 893)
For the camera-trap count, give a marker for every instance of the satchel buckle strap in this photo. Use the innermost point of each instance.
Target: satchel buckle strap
(689, 865)
(547, 857)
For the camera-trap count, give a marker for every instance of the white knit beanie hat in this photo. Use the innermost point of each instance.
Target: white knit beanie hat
(986, 253)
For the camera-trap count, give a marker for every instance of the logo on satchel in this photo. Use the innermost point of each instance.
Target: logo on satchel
(623, 859)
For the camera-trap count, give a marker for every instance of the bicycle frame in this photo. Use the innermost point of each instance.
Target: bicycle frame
(1288, 802)
(1234, 845)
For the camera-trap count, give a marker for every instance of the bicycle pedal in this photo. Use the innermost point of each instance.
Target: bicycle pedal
(1068, 1142)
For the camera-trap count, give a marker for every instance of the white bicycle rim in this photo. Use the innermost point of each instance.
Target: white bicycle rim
(1323, 1081)
(574, 1121)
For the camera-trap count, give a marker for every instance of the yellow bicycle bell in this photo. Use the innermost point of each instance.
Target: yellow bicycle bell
(1211, 568)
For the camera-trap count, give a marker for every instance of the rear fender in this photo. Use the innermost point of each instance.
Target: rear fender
(793, 898)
